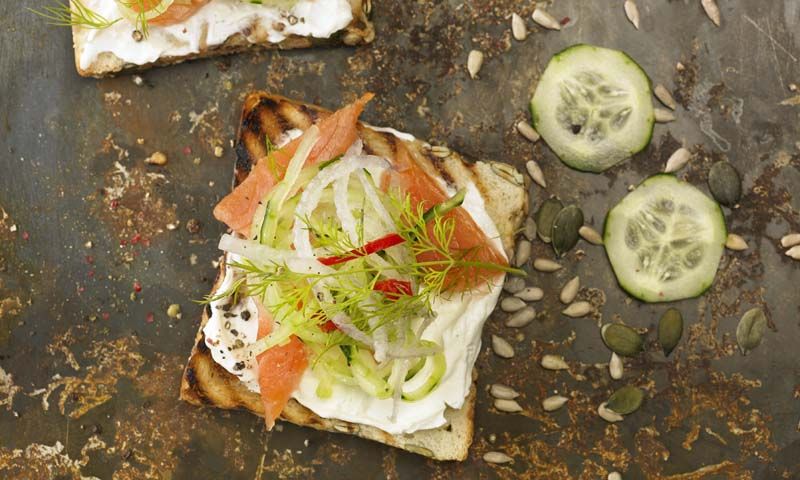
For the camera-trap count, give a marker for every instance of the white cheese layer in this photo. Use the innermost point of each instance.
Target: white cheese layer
(211, 26)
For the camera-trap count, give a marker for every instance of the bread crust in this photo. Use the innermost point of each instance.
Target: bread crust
(207, 383)
(360, 31)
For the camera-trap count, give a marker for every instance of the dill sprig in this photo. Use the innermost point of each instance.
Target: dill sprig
(73, 14)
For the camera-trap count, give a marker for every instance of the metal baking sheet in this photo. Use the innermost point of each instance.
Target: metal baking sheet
(91, 366)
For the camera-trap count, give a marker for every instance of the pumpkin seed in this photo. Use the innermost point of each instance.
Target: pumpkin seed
(590, 235)
(663, 116)
(530, 294)
(712, 10)
(551, 404)
(622, 339)
(609, 415)
(794, 252)
(570, 291)
(790, 240)
(536, 173)
(735, 242)
(526, 130)
(663, 95)
(565, 229)
(518, 28)
(545, 265)
(530, 229)
(615, 366)
(578, 309)
(514, 285)
(501, 347)
(474, 63)
(523, 253)
(498, 390)
(545, 19)
(626, 400)
(751, 329)
(614, 476)
(508, 406)
(440, 151)
(545, 216)
(521, 318)
(725, 183)
(677, 160)
(507, 173)
(670, 330)
(632, 12)
(496, 457)
(554, 362)
(511, 304)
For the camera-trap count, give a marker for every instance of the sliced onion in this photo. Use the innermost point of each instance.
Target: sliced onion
(412, 352)
(255, 251)
(344, 324)
(134, 16)
(343, 211)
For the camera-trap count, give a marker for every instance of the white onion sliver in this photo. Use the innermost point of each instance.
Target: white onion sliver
(255, 251)
(375, 202)
(343, 323)
(343, 211)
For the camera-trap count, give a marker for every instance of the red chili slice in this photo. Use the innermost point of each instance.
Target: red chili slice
(328, 326)
(393, 289)
(369, 248)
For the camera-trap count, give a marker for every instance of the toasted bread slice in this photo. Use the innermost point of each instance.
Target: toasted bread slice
(206, 383)
(359, 31)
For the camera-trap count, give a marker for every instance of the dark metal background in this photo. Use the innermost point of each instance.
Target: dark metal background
(68, 322)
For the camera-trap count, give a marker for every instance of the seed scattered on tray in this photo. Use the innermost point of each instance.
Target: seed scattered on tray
(530, 229)
(678, 160)
(670, 330)
(497, 457)
(554, 362)
(521, 318)
(578, 309)
(751, 329)
(712, 10)
(536, 173)
(546, 20)
(622, 339)
(794, 252)
(551, 404)
(735, 242)
(137, 80)
(511, 304)
(514, 285)
(663, 95)
(608, 415)
(590, 235)
(615, 366)
(530, 294)
(508, 406)
(157, 158)
(663, 116)
(526, 130)
(174, 311)
(474, 63)
(546, 265)
(790, 240)
(523, 253)
(518, 28)
(614, 476)
(626, 400)
(632, 12)
(570, 290)
(498, 390)
(218, 151)
(501, 347)
(440, 151)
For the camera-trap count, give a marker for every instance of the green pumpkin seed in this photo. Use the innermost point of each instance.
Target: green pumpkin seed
(622, 339)
(545, 216)
(725, 183)
(751, 330)
(670, 330)
(565, 229)
(626, 400)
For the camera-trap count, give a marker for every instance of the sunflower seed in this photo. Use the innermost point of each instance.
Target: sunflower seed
(554, 362)
(751, 330)
(511, 304)
(501, 347)
(663, 116)
(514, 285)
(712, 10)
(521, 318)
(545, 19)
(663, 95)
(440, 151)
(565, 229)
(530, 229)
(545, 265)
(518, 28)
(626, 400)
(735, 242)
(790, 240)
(526, 130)
(474, 63)
(622, 339)
(504, 392)
(551, 404)
(615, 366)
(544, 218)
(523, 253)
(725, 183)
(632, 12)
(570, 290)
(536, 173)
(508, 406)
(590, 235)
(578, 309)
(614, 476)
(530, 294)
(496, 457)
(670, 330)
(677, 160)
(608, 415)
(507, 173)
(794, 252)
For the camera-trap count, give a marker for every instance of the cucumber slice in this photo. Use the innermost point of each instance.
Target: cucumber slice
(593, 107)
(665, 240)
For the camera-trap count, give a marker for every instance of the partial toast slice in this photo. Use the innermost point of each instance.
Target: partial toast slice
(359, 31)
(206, 383)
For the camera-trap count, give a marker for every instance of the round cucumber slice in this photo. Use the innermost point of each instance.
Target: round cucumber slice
(665, 240)
(593, 107)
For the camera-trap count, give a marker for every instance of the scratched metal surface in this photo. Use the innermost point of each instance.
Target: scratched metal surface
(88, 371)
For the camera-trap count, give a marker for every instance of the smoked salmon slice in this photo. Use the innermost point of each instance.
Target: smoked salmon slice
(337, 133)
(179, 11)
(279, 370)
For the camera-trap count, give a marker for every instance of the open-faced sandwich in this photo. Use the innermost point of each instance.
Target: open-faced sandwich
(358, 273)
(112, 35)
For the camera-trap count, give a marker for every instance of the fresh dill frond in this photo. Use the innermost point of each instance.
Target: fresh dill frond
(75, 13)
